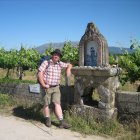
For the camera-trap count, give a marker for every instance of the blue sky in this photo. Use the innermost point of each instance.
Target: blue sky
(36, 22)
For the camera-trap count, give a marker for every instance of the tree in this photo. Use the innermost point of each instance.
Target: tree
(49, 50)
(2, 54)
(70, 53)
(28, 59)
(8, 59)
(131, 63)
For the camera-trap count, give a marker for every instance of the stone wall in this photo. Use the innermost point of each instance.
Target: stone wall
(128, 104)
(22, 90)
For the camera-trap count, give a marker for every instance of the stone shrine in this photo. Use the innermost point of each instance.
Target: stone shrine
(93, 48)
(94, 76)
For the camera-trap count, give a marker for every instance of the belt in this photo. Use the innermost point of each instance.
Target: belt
(51, 86)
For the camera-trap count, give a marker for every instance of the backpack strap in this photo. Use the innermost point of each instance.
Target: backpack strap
(50, 62)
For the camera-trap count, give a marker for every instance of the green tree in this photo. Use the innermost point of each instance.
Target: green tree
(113, 59)
(2, 54)
(8, 59)
(131, 63)
(27, 59)
(49, 50)
(70, 53)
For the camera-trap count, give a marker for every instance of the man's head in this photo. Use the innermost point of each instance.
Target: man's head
(56, 55)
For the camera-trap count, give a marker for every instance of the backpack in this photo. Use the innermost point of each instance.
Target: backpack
(43, 59)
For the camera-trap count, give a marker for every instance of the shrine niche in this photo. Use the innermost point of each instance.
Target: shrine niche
(93, 48)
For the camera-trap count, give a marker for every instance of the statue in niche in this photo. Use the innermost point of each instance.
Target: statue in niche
(91, 54)
(93, 57)
(88, 60)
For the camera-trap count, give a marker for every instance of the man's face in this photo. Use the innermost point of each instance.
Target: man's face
(55, 57)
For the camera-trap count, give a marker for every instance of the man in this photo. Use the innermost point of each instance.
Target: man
(49, 78)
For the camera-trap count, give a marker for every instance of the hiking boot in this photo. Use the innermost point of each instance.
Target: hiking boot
(64, 125)
(48, 122)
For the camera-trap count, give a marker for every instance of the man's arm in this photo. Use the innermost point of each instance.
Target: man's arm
(68, 70)
(40, 75)
(41, 79)
(68, 74)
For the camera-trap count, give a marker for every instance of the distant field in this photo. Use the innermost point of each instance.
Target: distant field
(28, 75)
(32, 76)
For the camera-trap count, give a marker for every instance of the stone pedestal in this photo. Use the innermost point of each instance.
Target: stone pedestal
(96, 80)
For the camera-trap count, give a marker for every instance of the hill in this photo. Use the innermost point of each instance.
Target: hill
(112, 50)
(117, 50)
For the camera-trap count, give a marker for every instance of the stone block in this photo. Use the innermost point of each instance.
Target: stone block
(91, 113)
(126, 96)
(127, 107)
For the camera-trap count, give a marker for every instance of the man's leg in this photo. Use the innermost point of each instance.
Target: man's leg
(59, 114)
(56, 99)
(58, 111)
(46, 112)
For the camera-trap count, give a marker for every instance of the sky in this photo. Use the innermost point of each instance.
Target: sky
(35, 22)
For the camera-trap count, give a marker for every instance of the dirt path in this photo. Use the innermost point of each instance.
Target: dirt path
(14, 128)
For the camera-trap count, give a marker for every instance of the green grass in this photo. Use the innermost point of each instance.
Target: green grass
(129, 87)
(108, 128)
(9, 80)
(6, 100)
(30, 111)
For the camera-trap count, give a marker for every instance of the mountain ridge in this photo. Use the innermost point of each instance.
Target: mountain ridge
(112, 49)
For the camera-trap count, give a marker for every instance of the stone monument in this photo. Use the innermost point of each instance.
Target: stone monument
(93, 76)
(93, 49)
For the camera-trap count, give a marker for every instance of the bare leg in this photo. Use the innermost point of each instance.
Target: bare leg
(46, 111)
(59, 114)
(58, 111)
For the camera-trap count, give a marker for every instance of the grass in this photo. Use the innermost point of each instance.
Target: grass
(130, 86)
(28, 75)
(6, 100)
(30, 111)
(89, 127)
(9, 80)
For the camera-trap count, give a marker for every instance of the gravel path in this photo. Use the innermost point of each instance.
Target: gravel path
(14, 128)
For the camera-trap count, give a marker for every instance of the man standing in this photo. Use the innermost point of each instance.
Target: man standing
(49, 78)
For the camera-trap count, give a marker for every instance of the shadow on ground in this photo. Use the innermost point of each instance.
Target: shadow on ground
(31, 113)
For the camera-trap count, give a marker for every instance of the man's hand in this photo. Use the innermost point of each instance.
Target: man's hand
(46, 86)
(41, 80)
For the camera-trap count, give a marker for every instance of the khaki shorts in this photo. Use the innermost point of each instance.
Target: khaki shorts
(52, 95)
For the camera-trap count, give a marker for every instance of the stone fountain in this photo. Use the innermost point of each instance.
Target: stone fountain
(94, 76)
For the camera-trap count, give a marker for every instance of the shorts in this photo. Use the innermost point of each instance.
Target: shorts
(52, 95)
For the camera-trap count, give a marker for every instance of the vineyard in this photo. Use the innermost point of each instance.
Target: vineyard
(23, 60)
